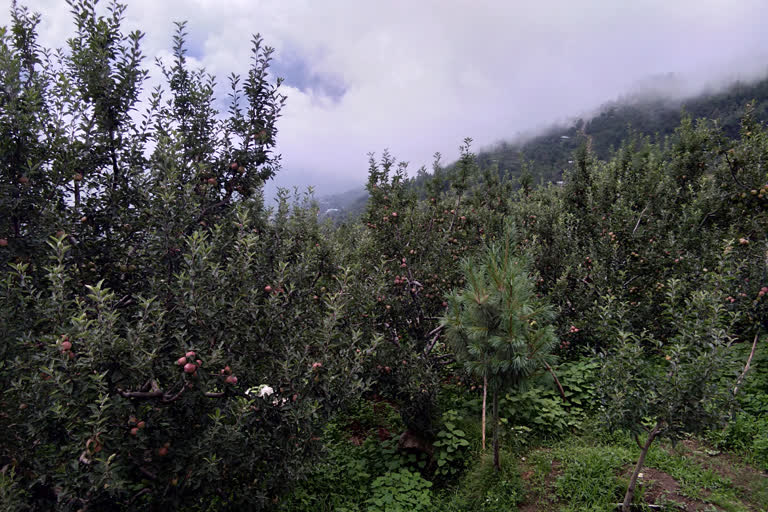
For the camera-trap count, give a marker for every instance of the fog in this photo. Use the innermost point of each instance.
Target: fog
(418, 77)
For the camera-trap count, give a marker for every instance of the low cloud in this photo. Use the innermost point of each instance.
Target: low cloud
(418, 77)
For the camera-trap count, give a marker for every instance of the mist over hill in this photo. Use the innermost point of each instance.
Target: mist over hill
(653, 109)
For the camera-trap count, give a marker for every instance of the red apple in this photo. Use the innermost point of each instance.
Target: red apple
(267, 288)
(163, 451)
(181, 361)
(190, 368)
(3, 242)
(66, 346)
(135, 431)
(231, 379)
(141, 424)
(190, 354)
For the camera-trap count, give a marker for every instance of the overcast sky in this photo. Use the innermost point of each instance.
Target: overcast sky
(418, 76)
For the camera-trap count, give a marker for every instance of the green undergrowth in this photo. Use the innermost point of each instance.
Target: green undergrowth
(747, 432)
(556, 456)
(576, 473)
(591, 473)
(482, 488)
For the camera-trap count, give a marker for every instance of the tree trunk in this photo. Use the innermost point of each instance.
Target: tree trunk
(557, 381)
(639, 467)
(485, 394)
(496, 462)
(746, 367)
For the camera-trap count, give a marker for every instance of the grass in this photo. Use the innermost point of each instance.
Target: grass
(484, 489)
(586, 472)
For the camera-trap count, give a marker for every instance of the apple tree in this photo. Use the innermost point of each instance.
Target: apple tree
(668, 387)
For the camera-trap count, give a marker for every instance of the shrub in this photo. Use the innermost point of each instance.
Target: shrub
(400, 491)
(452, 446)
(141, 339)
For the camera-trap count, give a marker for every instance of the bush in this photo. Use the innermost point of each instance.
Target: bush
(169, 342)
(401, 491)
(541, 409)
(747, 434)
(452, 446)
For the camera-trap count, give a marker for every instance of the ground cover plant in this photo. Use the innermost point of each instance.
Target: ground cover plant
(171, 341)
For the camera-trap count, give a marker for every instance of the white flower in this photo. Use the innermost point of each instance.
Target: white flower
(260, 391)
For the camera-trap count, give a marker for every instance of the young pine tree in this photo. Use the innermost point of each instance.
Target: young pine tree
(497, 327)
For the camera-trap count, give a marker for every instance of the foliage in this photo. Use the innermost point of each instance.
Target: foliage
(169, 341)
(452, 446)
(12, 496)
(541, 408)
(496, 327)
(400, 491)
(338, 481)
(683, 392)
(747, 430)
(97, 402)
(484, 488)
(385, 456)
(586, 482)
(674, 383)
(414, 246)
(747, 434)
(140, 335)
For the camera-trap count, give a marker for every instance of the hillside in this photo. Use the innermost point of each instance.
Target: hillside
(548, 154)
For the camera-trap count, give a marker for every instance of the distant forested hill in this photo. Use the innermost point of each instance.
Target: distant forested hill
(546, 156)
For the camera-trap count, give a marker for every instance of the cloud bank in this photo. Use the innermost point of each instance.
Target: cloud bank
(418, 77)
